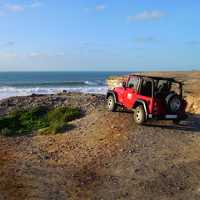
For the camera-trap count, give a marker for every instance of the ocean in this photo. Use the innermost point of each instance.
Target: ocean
(27, 83)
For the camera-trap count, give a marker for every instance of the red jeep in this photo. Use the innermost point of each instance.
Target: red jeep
(149, 97)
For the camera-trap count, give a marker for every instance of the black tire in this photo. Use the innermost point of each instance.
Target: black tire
(111, 105)
(173, 106)
(139, 115)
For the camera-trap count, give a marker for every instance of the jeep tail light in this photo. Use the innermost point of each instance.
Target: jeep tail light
(155, 107)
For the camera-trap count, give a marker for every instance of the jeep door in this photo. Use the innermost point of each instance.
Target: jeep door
(130, 92)
(145, 93)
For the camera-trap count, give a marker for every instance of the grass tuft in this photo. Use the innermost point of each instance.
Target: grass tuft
(39, 119)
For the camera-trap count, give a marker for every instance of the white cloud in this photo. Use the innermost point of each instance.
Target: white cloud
(6, 7)
(148, 39)
(14, 7)
(147, 16)
(37, 55)
(44, 55)
(100, 8)
(97, 8)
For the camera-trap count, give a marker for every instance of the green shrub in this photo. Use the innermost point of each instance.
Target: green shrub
(71, 114)
(4, 122)
(6, 132)
(34, 119)
(39, 118)
(63, 114)
(58, 127)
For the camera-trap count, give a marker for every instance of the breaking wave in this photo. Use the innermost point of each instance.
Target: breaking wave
(8, 91)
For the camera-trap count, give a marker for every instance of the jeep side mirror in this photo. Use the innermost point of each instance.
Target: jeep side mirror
(124, 84)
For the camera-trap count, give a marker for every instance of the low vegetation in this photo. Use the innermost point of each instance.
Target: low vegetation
(40, 119)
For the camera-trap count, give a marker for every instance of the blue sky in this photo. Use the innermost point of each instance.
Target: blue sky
(105, 35)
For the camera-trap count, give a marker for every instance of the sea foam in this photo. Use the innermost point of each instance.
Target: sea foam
(7, 91)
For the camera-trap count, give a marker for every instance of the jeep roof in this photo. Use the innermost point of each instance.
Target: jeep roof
(156, 78)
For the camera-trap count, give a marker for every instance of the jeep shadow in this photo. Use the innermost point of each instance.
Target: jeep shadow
(191, 124)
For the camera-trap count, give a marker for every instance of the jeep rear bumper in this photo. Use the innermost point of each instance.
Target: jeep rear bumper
(168, 116)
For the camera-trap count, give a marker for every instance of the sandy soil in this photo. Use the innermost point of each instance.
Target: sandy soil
(104, 156)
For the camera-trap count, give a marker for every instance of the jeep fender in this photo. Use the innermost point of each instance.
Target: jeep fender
(141, 102)
(109, 93)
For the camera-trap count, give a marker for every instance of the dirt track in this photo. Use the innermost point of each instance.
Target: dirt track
(104, 156)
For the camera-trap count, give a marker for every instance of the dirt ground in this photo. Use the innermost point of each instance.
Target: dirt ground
(104, 156)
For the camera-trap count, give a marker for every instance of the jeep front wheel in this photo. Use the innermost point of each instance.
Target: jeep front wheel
(111, 104)
(139, 115)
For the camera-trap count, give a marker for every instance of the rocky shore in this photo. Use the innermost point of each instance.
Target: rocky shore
(86, 102)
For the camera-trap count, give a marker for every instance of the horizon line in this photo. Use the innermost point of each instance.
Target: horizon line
(186, 70)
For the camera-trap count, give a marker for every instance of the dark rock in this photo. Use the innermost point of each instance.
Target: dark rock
(86, 102)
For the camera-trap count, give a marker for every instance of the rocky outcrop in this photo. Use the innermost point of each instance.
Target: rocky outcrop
(193, 104)
(115, 81)
(86, 102)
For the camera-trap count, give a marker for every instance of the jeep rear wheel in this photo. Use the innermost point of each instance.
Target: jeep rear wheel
(139, 115)
(111, 104)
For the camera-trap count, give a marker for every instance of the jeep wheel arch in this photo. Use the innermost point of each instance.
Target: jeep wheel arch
(111, 93)
(139, 103)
